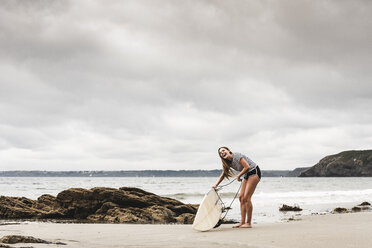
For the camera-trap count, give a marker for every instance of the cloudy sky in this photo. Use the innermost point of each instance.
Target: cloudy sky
(134, 85)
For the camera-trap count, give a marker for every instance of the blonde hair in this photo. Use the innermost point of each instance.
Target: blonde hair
(226, 164)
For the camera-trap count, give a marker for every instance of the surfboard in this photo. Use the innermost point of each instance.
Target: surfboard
(209, 212)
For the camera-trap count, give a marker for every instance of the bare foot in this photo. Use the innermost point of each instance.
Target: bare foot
(246, 225)
(238, 225)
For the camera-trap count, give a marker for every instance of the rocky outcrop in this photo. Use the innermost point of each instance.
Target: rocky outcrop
(14, 239)
(124, 205)
(344, 164)
(365, 206)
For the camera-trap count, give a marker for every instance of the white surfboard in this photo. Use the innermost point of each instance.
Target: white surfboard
(209, 212)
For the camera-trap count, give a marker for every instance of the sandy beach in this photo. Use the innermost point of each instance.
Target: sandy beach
(335, 230)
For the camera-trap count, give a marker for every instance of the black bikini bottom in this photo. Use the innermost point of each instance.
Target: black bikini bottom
(256, 171)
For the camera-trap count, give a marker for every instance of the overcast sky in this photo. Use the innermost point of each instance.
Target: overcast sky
(134, 85)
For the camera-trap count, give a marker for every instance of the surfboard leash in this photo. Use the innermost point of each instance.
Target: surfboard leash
(224, 208)
(220, 187)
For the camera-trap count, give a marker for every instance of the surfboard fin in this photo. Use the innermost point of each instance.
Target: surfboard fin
(218, 223)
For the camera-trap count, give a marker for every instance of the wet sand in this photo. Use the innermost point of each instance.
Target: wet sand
(332, 230)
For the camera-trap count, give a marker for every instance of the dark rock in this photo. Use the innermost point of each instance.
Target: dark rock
(47, 202)
(124, 205)
(344, 164)
(356, 209)
(106, 206)
(340, 210)
(362, 206)
(18, 208)
(185, 218)
(14, 239)
(289, 208)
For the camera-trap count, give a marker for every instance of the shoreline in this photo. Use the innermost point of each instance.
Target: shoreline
(287, 216)
(342, 230)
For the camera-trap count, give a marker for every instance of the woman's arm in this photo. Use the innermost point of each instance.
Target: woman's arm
(219, 180)
(245, 169)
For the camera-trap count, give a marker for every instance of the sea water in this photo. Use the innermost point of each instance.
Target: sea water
(313, 195)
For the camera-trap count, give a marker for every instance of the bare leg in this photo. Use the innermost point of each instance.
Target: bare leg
(243, 207)
(250, 188)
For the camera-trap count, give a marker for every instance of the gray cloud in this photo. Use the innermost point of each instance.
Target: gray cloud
(163, 84)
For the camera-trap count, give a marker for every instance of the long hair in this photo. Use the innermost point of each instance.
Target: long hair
(226, 164)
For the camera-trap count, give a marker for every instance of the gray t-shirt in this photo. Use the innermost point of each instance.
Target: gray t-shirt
(236, 165)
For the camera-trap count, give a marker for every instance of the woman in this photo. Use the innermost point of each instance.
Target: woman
(252, 176)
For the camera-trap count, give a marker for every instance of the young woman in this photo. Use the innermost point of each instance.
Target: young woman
(252, 176)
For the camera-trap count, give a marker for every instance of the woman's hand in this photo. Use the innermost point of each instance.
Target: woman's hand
(218, 181)
(245, 169)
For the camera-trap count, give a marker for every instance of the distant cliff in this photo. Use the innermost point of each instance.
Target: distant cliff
(143, 173)
(344, 164)
(297, 172)
(122, 173)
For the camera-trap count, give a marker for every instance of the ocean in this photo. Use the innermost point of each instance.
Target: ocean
(313, 195)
